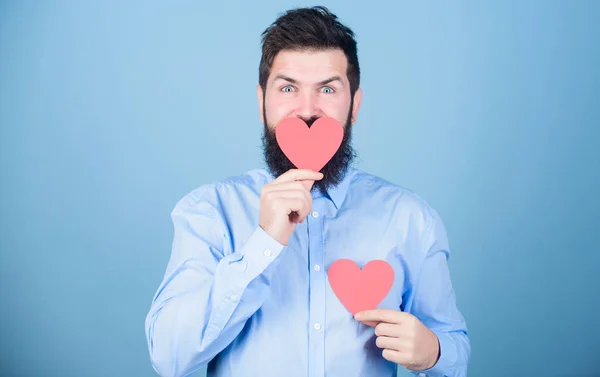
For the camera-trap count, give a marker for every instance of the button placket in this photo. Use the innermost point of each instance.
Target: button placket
(317, 290)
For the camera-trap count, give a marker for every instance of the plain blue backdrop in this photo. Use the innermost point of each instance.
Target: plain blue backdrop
(111, 111)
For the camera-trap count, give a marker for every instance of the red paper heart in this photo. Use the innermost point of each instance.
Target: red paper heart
(358, 289)
(309, 148)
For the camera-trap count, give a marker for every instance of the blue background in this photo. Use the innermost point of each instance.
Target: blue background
(111, 112)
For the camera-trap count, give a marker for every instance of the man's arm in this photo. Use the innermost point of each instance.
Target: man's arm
(434, 303)
(205, 297)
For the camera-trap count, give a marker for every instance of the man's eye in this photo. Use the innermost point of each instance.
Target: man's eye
(287, 88)
(329, 88)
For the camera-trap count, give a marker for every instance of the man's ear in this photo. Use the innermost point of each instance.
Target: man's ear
(259, 94)
(357, 99)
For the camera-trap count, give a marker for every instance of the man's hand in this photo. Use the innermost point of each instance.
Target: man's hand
(286, 202)
(404, 339)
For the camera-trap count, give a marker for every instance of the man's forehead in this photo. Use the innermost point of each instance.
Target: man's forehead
(310, 66)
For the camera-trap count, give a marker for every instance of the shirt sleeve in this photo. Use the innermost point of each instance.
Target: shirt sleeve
(434, 304)
(205, 297)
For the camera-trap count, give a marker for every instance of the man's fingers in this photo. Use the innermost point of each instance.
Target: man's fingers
(297, 202)
(388, 329)
(381, 315)
(394, 356)
(371, 323)
(299, 175)
(297, 208)
(387, 342)
(304, 185)
(298, 181)
(289, 194)
(293, 205)
(294, 185)
(308, 184)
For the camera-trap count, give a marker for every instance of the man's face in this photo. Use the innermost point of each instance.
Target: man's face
(308, 85)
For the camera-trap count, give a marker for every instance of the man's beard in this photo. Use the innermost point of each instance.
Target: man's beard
(333, 172)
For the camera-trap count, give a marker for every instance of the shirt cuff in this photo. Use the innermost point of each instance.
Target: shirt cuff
(243, 266)
(259, 251)
(447, 360)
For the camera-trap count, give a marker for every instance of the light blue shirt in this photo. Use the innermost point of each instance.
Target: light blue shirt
(237, 301)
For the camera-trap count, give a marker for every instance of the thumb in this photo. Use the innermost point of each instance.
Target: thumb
(308, 184)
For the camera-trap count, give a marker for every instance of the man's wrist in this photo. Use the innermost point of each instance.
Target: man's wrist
(435, 352)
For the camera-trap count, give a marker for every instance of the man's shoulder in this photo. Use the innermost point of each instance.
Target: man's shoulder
(406, 199)
(253, 179)
(245, 183)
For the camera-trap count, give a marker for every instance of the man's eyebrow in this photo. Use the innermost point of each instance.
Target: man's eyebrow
(286, 78)
(334, 78)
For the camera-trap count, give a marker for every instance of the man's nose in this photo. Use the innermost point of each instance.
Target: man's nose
(308, 106)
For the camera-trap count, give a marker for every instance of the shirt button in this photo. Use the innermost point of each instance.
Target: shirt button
(267, 253)
(422, 375)
(315, 214)
(233, 298)
(317, 326)
(317, 267)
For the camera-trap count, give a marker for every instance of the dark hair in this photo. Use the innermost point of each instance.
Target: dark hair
(302, 29)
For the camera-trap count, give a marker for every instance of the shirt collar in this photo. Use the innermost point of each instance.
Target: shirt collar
(337, 194)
